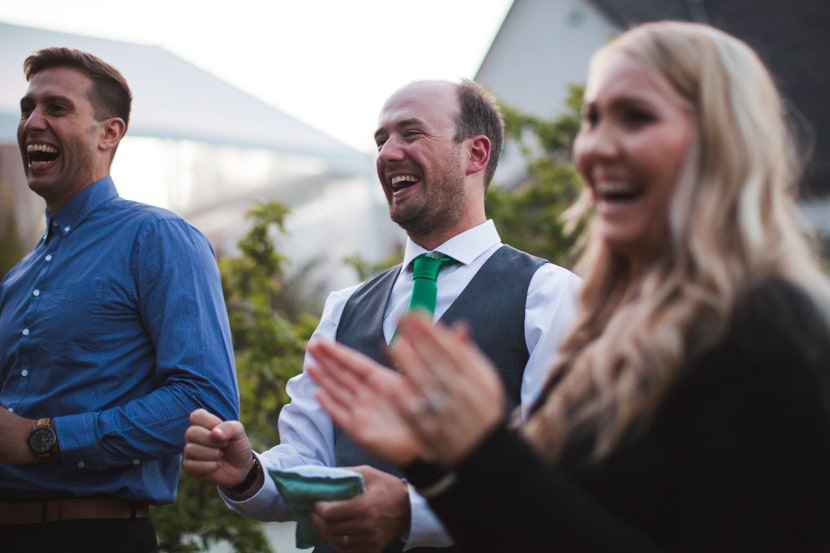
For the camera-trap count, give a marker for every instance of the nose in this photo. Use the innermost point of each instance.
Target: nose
(391, 150)
(34, 120)
(599, 141)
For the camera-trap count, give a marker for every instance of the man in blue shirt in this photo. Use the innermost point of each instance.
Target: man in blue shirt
(112, 330)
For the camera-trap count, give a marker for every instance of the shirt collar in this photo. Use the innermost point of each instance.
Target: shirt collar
(464, 247)
(78, 207)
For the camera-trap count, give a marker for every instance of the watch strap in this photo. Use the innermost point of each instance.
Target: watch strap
(52, 453)
(250, 478)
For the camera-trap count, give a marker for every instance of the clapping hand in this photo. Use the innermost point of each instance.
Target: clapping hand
(442, 403)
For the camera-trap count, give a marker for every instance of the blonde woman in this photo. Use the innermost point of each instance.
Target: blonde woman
(690, 410)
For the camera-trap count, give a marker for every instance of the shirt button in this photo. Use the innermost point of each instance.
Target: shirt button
(24, 372)
(136, 461)
(66, 229)
(36, 293)
(81, 464)
(25, 332)
(49, 257)
(11, 409)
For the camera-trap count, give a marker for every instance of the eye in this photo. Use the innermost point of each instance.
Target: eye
(636, 118)
(57, 109)
(590, 117)
(412, 133)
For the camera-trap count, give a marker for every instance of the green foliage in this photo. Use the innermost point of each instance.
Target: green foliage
(528, 215)
(366, 269)
(269, 348)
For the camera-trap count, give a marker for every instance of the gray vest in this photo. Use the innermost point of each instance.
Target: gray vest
(492, 305)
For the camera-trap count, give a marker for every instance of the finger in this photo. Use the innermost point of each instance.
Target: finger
(450, 354)
(199, 452)
(427, 369)
(410, 363)
(202, 436)
(334, 374)
(337, 514)
(345, 366)
(227, 431)
(333, 538)
(330, 386)
(340, 412)
(200, 468)
(201, 417)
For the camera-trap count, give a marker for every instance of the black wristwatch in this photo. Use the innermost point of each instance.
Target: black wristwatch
(43, 440)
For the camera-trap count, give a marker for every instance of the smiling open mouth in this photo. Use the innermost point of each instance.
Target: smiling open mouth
(41, 154)
(617, 192)
(402, 181)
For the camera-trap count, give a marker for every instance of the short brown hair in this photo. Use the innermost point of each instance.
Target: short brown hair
(110, 94)
(480, 114)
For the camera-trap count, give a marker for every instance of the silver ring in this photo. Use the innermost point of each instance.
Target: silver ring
(435, 401)
(345, 540)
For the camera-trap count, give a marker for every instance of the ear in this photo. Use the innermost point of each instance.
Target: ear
(479, 154)
(112, 132)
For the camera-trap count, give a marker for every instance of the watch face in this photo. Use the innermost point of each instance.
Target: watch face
(42, 439)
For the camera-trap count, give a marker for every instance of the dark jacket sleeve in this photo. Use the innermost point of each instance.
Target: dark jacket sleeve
(752, 469)
(507, 499)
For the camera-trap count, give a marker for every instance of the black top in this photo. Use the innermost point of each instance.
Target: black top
(737, 458)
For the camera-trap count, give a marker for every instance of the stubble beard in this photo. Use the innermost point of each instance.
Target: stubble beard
(439, 208)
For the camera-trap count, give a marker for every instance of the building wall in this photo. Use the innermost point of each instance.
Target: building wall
(543, 47)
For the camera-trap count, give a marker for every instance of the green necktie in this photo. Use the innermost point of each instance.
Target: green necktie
(424, 272)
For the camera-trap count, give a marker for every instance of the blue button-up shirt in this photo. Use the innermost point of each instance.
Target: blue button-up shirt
(116, 326)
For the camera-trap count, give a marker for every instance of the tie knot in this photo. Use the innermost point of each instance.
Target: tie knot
(428, 265)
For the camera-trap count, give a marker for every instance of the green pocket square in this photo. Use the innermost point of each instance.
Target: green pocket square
(303, 485)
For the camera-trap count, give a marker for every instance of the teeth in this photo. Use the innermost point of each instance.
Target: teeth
(403, 178)
(614, 188)
(31, 148)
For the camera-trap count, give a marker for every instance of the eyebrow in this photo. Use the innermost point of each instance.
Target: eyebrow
(48, 98)
(412, 121)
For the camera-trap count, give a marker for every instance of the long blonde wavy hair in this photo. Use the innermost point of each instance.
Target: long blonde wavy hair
(733, 223)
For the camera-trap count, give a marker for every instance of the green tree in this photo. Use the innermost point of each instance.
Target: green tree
(528, 215)
(269, 348)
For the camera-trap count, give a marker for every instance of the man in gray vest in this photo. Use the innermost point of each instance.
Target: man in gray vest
(438, 146)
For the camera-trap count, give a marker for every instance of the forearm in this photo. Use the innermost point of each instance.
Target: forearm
(149, 427)
(505, 498)
(14, 433)
(265, 503)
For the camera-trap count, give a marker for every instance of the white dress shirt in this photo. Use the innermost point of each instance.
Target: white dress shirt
(307, 432)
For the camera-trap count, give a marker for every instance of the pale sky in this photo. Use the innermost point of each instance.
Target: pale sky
(309, 58)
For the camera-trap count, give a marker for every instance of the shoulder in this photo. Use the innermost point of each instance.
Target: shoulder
(137, 210)
(777, 344)
(777, 312)
(149, 220)
(543, 267)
